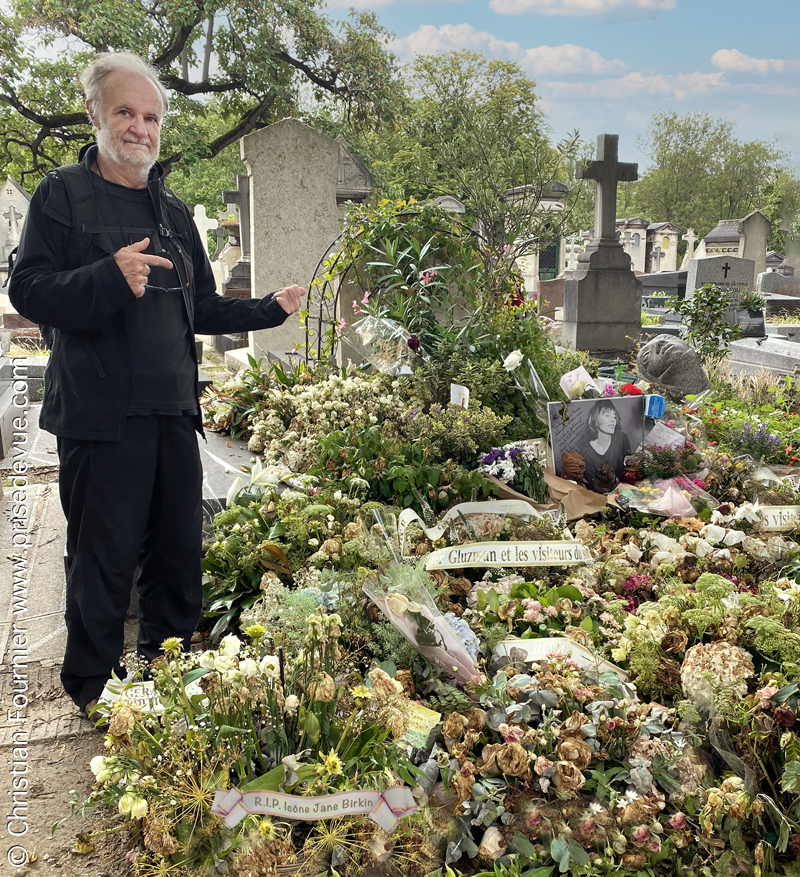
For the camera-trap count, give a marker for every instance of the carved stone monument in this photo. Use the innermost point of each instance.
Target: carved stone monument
(603, 298)
(674, 365)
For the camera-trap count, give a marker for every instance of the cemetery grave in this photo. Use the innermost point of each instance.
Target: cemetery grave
(431, 645)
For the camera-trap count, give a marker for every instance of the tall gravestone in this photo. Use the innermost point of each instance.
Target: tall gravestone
(603, 298)
(294, 216)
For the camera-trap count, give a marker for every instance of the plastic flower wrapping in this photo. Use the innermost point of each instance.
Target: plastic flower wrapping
(401, 592)
(389, 347)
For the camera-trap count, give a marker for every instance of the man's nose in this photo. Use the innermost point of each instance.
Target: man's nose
(138, 126)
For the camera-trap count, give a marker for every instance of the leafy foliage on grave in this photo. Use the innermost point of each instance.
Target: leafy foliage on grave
(705, 322)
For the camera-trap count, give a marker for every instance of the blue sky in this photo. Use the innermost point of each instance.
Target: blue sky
(605, 66)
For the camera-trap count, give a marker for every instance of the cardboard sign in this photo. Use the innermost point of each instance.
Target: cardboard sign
(141, 696)
(421, 722)
(486, 554)
(778, 518)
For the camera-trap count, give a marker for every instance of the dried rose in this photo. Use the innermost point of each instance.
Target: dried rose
(123, 718)
(382, 684)
(784, 716)
(507, 610)
(633, 860)
(454, 726)
(570, 609)
(413, 343)
(487, 763)
(332, 547)
(493, 846)
(322, 688)
(406, 679)
(571, 727)
(461, 787)
(423, 548)
(580, 636)
(460, 586)
(675, 641)
(352, 530)
(668, 673)
(568, 777)
(578, 752)
(476, 719)
(513, 759)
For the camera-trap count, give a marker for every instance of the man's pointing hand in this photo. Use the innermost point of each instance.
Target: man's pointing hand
(135, 265)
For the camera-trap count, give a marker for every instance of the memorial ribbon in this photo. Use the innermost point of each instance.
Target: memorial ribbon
(384, 808)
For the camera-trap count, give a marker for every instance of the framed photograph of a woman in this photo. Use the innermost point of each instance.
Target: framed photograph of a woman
(595, 435)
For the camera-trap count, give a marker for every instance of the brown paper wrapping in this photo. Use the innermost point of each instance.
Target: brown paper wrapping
(577, 500)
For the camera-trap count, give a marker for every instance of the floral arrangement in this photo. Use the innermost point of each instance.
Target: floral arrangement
(519, 465)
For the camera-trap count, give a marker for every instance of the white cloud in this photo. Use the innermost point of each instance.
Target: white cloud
(734, 61)
(640, 85)
(567, 59)
(581, 7)
(430, 40)
(541, 61)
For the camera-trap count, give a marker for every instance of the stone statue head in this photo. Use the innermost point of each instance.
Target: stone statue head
(674, 365)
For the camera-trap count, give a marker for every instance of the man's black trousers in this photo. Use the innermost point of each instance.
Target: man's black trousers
(127, 503)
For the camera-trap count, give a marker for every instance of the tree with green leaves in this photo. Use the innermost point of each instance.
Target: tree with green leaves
(473, 128)
(701, 173)
(229, 67)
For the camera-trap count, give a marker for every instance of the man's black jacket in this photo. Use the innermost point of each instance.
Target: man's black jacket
(66, 278)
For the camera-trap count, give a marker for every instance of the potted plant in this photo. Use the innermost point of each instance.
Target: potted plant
(748, 314)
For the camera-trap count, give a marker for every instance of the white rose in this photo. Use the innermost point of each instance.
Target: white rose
(225, 663)
(206, 660)
(98, 768)
(513, 360)
(248, 668)
(399, 605)
(269, 666)
(291, 704)
(230, 645)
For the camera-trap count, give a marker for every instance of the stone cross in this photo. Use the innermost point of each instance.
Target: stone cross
(241, 198)
(573, 248)
(204, 224)
(657, 255)
(13, 216)
(691, 239)
(607, 171)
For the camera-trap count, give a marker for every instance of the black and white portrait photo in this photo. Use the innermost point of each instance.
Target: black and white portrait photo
(590, 438)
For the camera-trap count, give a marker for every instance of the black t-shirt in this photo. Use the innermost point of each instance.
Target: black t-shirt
(162, 374)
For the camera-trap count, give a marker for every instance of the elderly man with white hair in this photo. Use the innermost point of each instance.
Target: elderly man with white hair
(112, 266)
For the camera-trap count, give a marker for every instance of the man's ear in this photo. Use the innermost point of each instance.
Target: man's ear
(91, 113)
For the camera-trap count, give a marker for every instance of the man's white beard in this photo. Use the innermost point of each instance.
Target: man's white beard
(135, 159)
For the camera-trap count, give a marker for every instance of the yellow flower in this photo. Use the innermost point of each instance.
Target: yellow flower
(172, 645)
(362, 692)
(255, 631)
(330, 764)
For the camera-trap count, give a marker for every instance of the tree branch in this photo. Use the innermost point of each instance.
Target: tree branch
(179, 39)
(245, 125)
(179, 84)
(55, 121)
(328, 84)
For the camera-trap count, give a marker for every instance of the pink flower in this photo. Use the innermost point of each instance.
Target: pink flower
(365, 300)
(356, 308)
(608, 390)
(655, 846)
(426, 276)
(533, 819)
(542, 765)
(764, 695)
(611, 724)
(641, 835)
(551, 611)
(678, 821)
(511, 734)
(131, 855)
